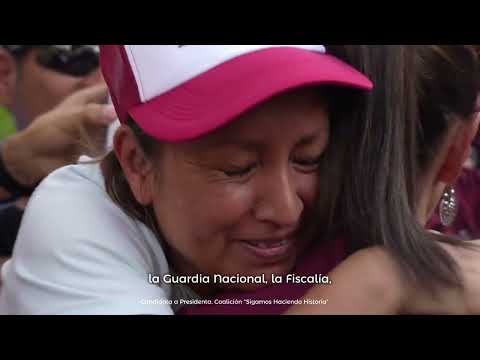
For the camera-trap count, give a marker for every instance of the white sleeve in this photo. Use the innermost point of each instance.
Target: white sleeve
(80, 257)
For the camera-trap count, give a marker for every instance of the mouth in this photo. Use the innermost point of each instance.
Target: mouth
(269, 249)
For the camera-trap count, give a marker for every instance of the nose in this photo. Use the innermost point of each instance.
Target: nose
(279, 202)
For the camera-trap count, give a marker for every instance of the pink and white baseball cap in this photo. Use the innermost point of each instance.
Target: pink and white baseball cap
(181, 92)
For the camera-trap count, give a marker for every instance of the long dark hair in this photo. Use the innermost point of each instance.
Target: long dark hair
(380, 153)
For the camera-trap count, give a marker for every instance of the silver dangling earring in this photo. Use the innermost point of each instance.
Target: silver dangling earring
(448, 207)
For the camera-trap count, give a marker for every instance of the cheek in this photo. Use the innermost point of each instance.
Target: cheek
(230, 203)
(40, 90)
(197, 226)
(55, 87)
(308, 189)
(196, 219)
(221, 208)
(60, 86)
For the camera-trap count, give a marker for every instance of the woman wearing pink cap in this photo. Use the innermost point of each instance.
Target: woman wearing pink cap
(214, 184)
(411, 139)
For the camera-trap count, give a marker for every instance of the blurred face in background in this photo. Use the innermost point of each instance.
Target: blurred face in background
(42, 78)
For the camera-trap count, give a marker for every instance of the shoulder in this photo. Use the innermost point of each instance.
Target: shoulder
(75, 243)
(71, 209)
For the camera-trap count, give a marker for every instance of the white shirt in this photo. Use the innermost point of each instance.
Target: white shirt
(77, 252)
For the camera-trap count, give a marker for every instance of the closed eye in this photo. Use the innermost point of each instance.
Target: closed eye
(239, 171)
(307, 164)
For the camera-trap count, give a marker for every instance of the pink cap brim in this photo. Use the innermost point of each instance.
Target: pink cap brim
(215, 98)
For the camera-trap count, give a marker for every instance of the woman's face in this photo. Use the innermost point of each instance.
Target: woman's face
(234, 202)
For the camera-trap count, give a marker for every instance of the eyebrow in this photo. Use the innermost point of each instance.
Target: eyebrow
(308, 140)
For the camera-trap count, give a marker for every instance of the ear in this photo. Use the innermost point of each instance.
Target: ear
(8, 78)
(137, 168)
(459, 150)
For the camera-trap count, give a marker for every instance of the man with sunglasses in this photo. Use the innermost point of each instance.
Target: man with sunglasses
(57, 96)
(36, 78)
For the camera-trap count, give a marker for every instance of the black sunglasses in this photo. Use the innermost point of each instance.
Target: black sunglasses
(73, 60)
